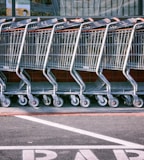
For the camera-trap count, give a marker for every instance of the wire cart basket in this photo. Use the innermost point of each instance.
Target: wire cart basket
(12, 39)
(135, 60)
(90, 49)
(115, 57)
(61, 56)
(34, 57)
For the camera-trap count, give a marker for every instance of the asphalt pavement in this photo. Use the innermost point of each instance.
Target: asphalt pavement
(93, 136)
(71, 133)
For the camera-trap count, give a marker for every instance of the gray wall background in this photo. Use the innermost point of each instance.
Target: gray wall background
(100, 7)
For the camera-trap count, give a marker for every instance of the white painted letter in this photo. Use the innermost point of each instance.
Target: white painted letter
(48, 155)
(28, 154)
(31, 155)
(79, 156)
(85, 155)
(139, 153)
(120, 155)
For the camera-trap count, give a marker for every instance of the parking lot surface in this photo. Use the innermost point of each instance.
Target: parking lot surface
(71, 133)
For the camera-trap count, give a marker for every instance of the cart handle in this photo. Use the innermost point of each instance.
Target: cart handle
(76, 20)
(130, 22)
(46, 23)
(19, 24)
(6, 20)
(2, 20)
(140, 19)
(96, 24)
(49, 22)
(5, 25)
(115, 19)
(70, 24)
(12, 19)
(81, 20)
(139, 24)
(101, 23)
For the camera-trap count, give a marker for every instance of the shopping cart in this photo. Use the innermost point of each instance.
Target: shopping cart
(115, 57)
(12, 36)
(89, 51)
(34, 57)
(61, 56)
(7, 21)
(2, 20)
(135, 60)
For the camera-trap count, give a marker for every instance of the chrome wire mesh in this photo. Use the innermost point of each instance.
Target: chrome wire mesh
(35, 49)
(10, 44)
(89, 49)
(115, 50)
(62, 49)
(136, 58)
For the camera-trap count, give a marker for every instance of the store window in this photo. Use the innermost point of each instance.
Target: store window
(28, 7)
(2, 7)
(71, 7)
(100, 7)
(42, 8)
(22, 7)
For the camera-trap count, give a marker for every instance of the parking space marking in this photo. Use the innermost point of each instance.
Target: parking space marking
(69, 147)
(82, 132)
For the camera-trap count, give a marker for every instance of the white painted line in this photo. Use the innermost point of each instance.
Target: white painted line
(69, 147)
(81, 131)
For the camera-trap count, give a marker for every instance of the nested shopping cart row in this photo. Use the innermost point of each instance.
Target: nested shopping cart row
(74, 46)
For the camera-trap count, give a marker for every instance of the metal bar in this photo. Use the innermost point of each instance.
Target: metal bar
(140, 7)
(13, 8)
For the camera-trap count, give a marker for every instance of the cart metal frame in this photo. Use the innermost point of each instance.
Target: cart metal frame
(115, 57)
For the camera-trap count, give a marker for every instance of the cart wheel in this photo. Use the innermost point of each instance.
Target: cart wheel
(75, 101)
(6, 102)
(113, 102)
(22, 101)
(47, 100)
(58, 102)
(85, 102)
(138, 103)
(34, 102)
(102, 102)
